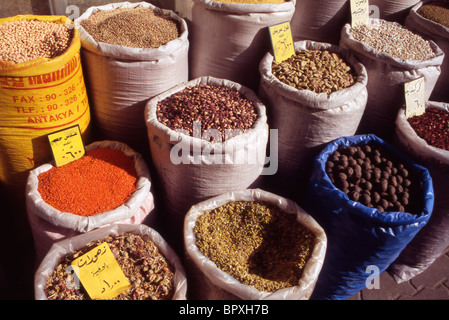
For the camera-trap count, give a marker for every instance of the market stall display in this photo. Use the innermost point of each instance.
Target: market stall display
(131, 52)
(156, 273)
(110, 184)
(252, 245)
(312, 98)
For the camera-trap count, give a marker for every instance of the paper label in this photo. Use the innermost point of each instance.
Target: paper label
(100, 273)
(282, 41)
(415, 97)
(359, 12)
(66, 145)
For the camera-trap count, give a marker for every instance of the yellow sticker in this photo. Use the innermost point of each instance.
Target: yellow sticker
(415, 97)
(282, 41)
(359, 12)
(100, 273)
(66, 145)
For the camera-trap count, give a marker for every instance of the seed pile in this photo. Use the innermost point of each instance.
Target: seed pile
(370, 175)
(436, 11)
(23, 41)
(138, 27)
(320, 71)
(215, 107)
(393, 39)
(256, 243)
(101, 180)
(150, 274)
(433, 127)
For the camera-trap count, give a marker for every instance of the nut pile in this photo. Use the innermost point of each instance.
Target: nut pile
(370, 175)
(150, 274)
(433, 127)
(256, 243)
(214, 107)
(320, 71)
(138, 27)
(23, 41)
(436, 11)
(393, 39)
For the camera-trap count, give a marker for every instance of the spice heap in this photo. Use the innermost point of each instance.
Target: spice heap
(138, 27)
(101, 180)
(215, 107)
(256, 243)
(393, 39)
(433, 127)
(23, 41)
(254, 1)
(370, 175)
(436, 11)
(319, 71)
(150, 274)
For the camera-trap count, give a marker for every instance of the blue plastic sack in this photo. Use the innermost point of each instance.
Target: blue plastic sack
(361, 240)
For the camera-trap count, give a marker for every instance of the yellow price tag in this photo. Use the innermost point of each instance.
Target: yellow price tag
(66, 145)
(100, 273)
(282, 41)
(359, 12)
(415, 97)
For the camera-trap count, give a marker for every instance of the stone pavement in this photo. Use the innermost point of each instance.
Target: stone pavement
(432, 284)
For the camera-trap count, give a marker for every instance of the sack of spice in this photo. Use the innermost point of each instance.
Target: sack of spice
(425, 139)
(150, 265)
(371, 200)
(392, 56)
(207, 136)
(41, 91)
(110, 184)
(319, 20)
(131, 52)
(431, 20)
(312, 98)
(228, 39)
(252, 245)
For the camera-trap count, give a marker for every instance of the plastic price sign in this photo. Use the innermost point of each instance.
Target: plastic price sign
(282, 41)
(66, 145)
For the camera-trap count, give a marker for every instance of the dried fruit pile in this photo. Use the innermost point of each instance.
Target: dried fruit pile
(372, 176)
(149, 272)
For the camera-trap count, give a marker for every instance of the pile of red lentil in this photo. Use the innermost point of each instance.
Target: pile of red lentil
(102, 180)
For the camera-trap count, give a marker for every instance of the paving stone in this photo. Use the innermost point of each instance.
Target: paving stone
(438, 293)
(388, 289)
(434, 274)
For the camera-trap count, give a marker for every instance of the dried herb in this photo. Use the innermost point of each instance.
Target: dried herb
(256, 243)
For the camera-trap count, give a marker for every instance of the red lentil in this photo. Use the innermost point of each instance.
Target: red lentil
(433, 127)
(102, 180)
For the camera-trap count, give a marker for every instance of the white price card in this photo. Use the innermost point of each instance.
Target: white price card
(359, 12)
(415, 97)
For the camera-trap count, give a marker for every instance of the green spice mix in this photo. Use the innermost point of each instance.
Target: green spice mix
(256, 243)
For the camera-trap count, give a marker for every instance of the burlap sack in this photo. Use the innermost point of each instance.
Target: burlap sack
(319, 20)
(120, 80)
(208, 169)
(440, 35)
(49, 225)
(209, 282)
(66, 246)
(387, 76)
(305, 121)
(432, 241)
(227, 40)
(393, 10)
